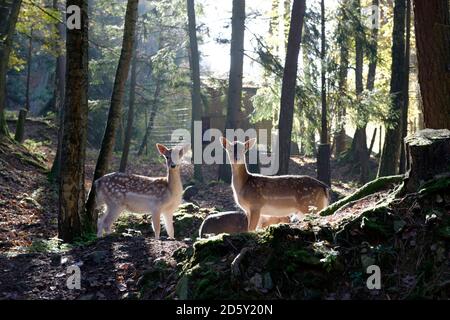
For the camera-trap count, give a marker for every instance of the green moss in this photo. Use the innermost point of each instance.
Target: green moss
(369, 188)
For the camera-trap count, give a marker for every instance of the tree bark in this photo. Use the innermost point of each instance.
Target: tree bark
(391, 150)
(428, 156)
(195, 77)
(323, 156)
(151, 121)
(130, 119)
(235, 78)
(71, 217)
(402, 166)
(59, 100)
(340, 136)
(289, 84)
(8, 28)
(115, 109)
(432, 21)
(20, 127)
(358, 150)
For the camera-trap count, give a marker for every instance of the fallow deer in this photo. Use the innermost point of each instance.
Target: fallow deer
(271, 196)
(141, 194)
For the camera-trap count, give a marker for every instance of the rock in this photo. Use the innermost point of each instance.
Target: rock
(189, 193)
(224, 222)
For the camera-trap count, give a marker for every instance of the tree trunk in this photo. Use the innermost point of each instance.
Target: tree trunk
(323, 155)
(59, 98)
(115, 108)
(129, 129)
(432, 20)
(72, 192)
(340, 136)
(235, 78)
(428, 156)
(289, 85)
(402, 168)
(8, 27)
(151, 121)
(391, 150)
(20, 127)
(195, 91)
(373, 55)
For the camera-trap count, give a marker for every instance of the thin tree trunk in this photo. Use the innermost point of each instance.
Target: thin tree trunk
(289, 85)
(340, 136)
(59, 98)
(71, 218)
(129, 130)
(195, 77)
(391, 150)
(323, 155)
(151, 121)
(432, 20)
(20, 127)
(235, 78)
(359, 145)
(405, 108)
(115, 110)
(5, 49)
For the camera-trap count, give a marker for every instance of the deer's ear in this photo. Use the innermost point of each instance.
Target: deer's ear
(250, 144)
(162, 149)
(224, 142)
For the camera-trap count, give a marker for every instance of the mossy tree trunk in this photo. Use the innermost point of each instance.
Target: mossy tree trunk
(8, 18)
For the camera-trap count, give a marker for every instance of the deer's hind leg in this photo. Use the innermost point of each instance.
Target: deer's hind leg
(112, 213)
(156, 223)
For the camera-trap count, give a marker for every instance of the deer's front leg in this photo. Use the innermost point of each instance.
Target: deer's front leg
(156, 223)
(254, 215)
(168, 222)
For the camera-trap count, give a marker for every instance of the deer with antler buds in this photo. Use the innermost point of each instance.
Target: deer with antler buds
(280, 196)
(141, 194)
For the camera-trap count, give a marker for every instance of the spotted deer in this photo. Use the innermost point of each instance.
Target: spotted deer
(141, 194)
(280, 196)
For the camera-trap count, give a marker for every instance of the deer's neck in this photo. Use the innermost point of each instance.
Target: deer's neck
(174, 181)
(239, 175)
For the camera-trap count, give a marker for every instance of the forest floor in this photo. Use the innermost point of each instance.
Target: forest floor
(33, 262)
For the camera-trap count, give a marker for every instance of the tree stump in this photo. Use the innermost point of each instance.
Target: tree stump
(428, 155)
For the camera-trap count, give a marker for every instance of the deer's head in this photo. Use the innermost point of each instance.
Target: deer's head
(236, 150)
(172, 155)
